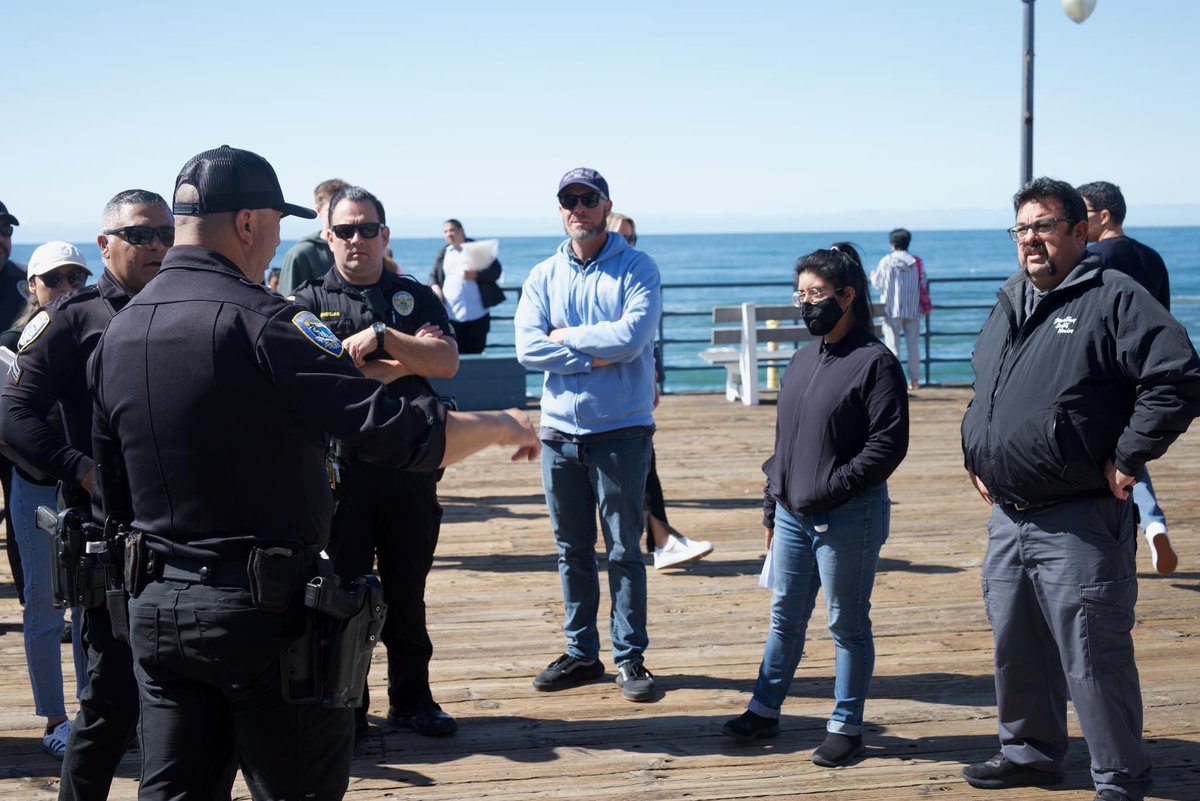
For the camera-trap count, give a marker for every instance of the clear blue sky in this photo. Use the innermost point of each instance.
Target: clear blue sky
(704, 116)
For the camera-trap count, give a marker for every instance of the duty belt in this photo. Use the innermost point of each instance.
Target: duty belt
(223, 572)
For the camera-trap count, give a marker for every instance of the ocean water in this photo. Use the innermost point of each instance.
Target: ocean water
(768, 257)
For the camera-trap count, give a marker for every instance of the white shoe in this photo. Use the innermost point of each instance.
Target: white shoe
(55, 741)
(680, 550)
(1162, 554)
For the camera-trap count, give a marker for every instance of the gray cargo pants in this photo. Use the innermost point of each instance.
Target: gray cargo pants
(1059, 585)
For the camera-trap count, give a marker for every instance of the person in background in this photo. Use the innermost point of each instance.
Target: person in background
(55, 269)
(467, 293)
(842, 430)
(587, 317)
(1081, 377)
(398, 332)
(1107, 239)
(900, 283)
(273, 279)
(310, 257)
(670, 548)
(12, 276)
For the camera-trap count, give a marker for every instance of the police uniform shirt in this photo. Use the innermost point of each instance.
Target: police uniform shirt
(401, 302)
(213, 396)
(51, 367)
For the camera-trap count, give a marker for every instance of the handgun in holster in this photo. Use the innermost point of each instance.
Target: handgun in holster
(329, 663)
(111, 559)
(76, 577)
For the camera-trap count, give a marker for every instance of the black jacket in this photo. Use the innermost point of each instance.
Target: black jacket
(213, 396)
(1100, 371)
(486, 279)
(841, 428)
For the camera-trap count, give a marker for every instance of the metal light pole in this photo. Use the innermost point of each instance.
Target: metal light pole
(1077, 10)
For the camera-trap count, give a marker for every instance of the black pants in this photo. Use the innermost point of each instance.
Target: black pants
(108, 714)
(472, 335)
(10, 540)
(211, 696)
(393, 516)
(654, 504)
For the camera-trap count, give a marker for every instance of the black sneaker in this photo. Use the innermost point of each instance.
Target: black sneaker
(568, 671)
(636, 683)
(998, 773)
(749, 727)
(838, 749)
(428, 720)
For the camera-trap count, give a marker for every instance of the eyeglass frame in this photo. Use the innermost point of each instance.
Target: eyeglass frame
(6, 229)
(59, 277)
(1017, 232)
(156, 232)
(799, 296)
(357, 228)
(575, 200)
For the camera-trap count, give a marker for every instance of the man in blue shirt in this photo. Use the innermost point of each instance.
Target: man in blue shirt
(587, 317)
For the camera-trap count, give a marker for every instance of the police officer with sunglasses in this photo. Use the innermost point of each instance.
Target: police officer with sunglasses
(50, 369)
(11, 273)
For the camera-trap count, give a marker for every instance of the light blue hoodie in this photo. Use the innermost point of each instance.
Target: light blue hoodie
(612, 309)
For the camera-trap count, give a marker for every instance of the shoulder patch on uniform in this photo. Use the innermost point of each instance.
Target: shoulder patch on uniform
(33, 329)
(14, 373)
(317, 333)
(403, 303)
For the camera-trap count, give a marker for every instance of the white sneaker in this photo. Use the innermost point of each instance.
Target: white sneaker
(1162, 554)
(680, 550)
(55, 741)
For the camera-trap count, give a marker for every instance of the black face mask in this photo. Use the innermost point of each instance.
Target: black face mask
(821, 317)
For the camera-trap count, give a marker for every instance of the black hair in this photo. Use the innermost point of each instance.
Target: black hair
(900, 238)
(455, 223)
(1103, 195)
(356, 194)
(1067, 196)
(841, 266)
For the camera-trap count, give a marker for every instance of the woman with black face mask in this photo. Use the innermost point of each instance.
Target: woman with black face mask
(841, 430)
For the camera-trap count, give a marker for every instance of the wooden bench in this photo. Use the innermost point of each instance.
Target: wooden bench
(743, 340)
(485, 383)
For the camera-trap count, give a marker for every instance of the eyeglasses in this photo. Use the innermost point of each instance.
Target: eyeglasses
(5, 230)
(814, 295)
(75, 278)
(142, 235)
(1043, 227)
(589, 200)
(365, 230)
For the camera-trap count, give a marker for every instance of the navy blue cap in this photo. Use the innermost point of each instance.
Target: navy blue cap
(5, 217)
(229, 179)
(586, 177)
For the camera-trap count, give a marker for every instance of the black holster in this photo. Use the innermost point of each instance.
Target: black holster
(330, 660)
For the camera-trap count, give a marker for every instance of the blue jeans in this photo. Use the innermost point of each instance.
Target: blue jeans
(578, 477)
(42, 623)
(842, 561)
(1146, 502)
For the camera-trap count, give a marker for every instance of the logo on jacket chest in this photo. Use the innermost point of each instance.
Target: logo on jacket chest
(1065, 325)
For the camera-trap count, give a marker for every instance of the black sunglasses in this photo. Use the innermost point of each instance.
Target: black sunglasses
(5, 230)
(589, 200)
(365, 230)
(75, 278)
(141, 235)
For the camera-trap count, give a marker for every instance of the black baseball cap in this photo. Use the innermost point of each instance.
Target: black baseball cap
(229, 179)
(5, 217)
(587, 177)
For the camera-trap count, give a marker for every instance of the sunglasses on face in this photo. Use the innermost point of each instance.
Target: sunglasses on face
(75, 279)
(365, 230)
(589, 200)
(5, 230)
(142, 235)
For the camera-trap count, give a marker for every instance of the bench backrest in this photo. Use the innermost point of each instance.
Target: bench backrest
(791, 329)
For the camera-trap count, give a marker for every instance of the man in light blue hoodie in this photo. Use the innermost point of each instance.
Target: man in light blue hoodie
(587, 317)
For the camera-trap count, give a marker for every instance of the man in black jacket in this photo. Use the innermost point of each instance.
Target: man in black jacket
(1081, 377)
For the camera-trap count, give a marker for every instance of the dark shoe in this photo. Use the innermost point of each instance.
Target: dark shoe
(837, 750)
(636, 683)
(749, 727)
(568, 671)
(1108, 794)
(429, 721)
(998, 773)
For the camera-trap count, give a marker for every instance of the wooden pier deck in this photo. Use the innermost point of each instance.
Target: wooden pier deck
(495, 616)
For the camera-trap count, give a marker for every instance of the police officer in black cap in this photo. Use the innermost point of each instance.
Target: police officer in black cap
(213, 396)
(12, 275)
(51, 371)
(399, 332)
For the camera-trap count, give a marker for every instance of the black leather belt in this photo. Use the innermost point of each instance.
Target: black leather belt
(222, 572)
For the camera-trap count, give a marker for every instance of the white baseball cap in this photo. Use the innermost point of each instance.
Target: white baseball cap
(52, 255)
